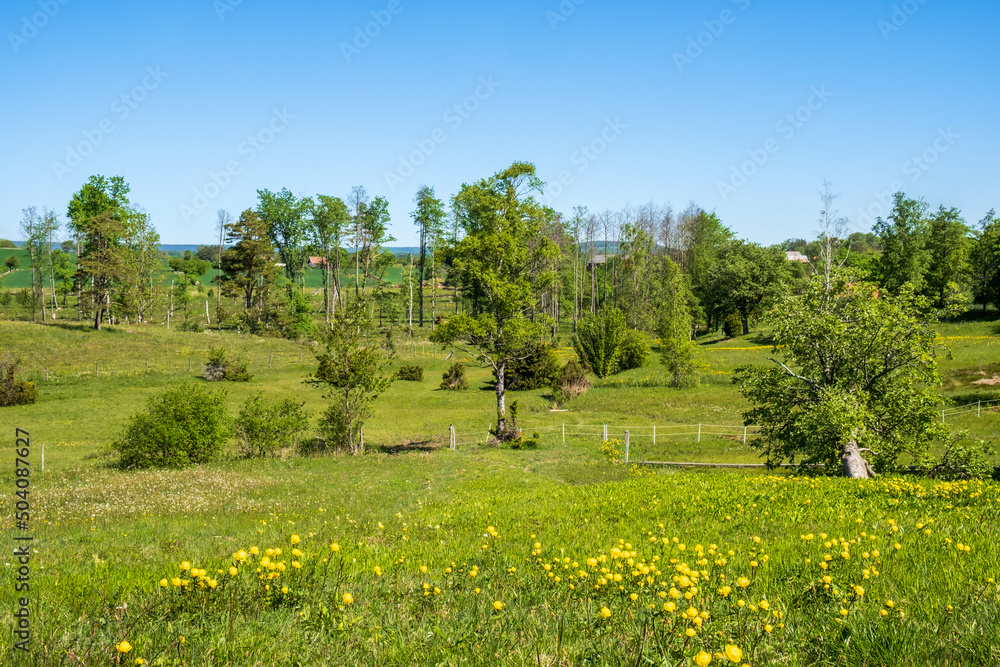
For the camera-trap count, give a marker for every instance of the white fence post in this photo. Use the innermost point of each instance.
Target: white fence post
(654, 435)
(43, 456)
(979, 409)
(626, 447)
(744, 435)
(605, 433)
(451, 437)
(699, 432)
(942, 416)
(564, 433)
(488, 429)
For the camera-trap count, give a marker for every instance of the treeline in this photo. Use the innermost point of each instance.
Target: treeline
(627, 260)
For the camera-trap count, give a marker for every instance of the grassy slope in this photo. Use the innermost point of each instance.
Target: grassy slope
(108, 536)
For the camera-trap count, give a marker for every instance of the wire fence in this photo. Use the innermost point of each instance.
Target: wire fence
(978, 407)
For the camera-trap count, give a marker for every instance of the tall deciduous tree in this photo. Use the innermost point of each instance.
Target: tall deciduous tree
(429, 218)
(856, 377)
(374, 231)
(984, 262)
(328, 227)
(285, 215)
(903, 236)
(746, 279)
(101, 217)
(501, 220)
(248, 266)
(948, 245)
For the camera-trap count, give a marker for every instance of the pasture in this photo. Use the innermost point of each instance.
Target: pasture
(414, 554)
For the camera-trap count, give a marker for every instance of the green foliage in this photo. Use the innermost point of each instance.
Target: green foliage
(182, 426)
(984, 262)
(5, 298)
(263, 427)
(732, 326)
(13, 263)
(961, 459)
(352, 370)
(858, 367)
(571, 382)
(193, 269)
(598, 341)
(903, 237)
(221, 367)
(536, 366)
(746, 280)
(454, 378)
(504, 261)
(634, 351)
(297, 321)
(12, 390)
(678, 355)
(948, 245)
(7, 244)
(411, 373)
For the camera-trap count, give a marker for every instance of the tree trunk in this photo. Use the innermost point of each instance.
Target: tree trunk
(746, 325)
(856, 466)
(501, 407)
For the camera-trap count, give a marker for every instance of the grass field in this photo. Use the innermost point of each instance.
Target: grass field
(576, 560)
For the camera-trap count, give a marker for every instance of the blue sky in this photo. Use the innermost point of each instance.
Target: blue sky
(742, 106)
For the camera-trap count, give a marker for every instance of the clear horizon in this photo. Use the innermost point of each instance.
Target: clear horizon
(742, 107)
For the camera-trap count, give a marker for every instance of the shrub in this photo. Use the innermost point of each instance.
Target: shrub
(411, 373)
(220, 367)
(537, 367)
(454, 378)
(192, 325)
(962, 461)
(598, 341)
(571, 382)
(12, 390)
(263, 427)
(5, 298)
(338, 431)
(7, 244)
(634, 351)
(732, 326)
(181, 426)
(12, 263)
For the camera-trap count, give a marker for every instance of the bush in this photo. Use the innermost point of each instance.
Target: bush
(732, 326)
(598, 341)
(179, 427)
(962, 461)
(12, 263)
(192, 325)
(262, 427)
(7, 244)
(454, 378)
(338, 431)
(538, 367)
(634, 351)
(12, 390)
(411, 373)
(5, 298)
(571, 382)
(220, 367)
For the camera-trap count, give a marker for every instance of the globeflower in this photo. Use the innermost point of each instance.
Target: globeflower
(498, 605)
(123, 647)
(733, 653)
(294, 539)
(703, 659)
(348, 598)
(605, 612)
(742, 582)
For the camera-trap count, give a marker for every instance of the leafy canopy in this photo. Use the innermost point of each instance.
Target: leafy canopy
(857, 369)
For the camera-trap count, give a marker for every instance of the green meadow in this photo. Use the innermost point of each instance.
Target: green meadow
(415, 554)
